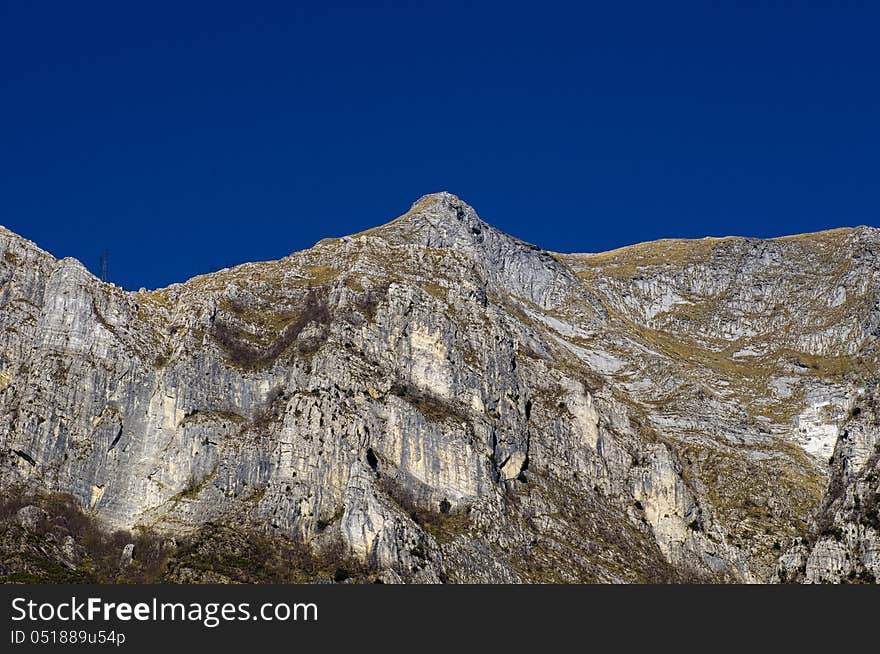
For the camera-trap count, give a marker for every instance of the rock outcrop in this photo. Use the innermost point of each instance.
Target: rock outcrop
(440, 401)
(843, 542)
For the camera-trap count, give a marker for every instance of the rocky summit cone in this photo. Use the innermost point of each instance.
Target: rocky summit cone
(442, 220)
(434, 400)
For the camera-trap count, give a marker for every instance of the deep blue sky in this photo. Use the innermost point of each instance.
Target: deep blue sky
(183, 136)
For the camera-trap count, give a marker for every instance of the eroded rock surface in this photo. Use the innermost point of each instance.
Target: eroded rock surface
(447, 403)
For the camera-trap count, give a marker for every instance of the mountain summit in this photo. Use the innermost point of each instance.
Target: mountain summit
(433, 400)
(442, 220)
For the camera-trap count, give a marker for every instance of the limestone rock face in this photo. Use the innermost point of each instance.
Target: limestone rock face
(843, 542)
(448, 403)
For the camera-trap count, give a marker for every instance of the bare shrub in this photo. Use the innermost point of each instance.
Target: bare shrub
(245, 354)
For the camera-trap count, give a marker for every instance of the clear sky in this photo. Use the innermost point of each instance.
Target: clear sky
(184, 136)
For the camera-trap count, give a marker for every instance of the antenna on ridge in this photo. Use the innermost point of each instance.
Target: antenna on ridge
(105, 259)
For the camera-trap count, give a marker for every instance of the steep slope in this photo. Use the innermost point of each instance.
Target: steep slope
(443, 402)
(843, 542)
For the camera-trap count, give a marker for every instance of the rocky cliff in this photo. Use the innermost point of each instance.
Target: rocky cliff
(434, 400)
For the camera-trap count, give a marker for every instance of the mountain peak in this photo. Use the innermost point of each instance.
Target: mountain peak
(444, 211)
(443, 199)
(443, 220)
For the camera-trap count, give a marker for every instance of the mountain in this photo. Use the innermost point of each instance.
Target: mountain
(433, 400)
